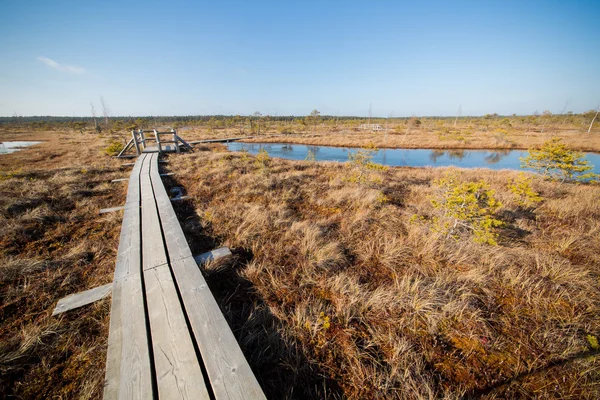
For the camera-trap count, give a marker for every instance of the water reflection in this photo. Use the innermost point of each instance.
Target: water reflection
(497, 159)
(11, 147)
(496, 156)
(435, 154)
(455, 154)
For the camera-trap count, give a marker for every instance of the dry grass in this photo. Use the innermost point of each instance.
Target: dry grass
(333, 292)
(469, 133)
(425, 139)
(54, 243)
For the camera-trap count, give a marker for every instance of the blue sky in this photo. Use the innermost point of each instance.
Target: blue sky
(283, 57)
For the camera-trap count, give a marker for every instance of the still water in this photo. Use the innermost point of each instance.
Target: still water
(11, 147)
(493, 159)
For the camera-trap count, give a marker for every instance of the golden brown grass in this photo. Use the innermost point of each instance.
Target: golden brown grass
(425, 139)
(441, 133)
(53, 243)
(334, 292)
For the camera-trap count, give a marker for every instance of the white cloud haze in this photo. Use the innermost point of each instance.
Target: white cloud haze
(61, 67)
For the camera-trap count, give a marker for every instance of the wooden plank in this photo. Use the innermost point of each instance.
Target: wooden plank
(186, 144)
(128, 372)
(135, 142)
(176, 243)
(157, 138)
(175, 141)
(120, 180)
(213, 255)
(128, 365)
(150, 149)
(127, 146)
(111, 209)
(181, 198)
(128, 165)
(228, 370)
(220, 140)
(81, 299)
(129, 254)
(153, 249)
(168, 174)
(178, 371)
(133, 190)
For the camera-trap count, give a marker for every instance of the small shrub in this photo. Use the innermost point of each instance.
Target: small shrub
(363, 169)
(556, 161)
(244, 155)
(262, 158)
(114, 148)
(593, 341)
(465, 206)
(521, 187)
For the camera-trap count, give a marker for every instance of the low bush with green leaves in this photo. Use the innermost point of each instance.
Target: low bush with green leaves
(556, 161)
(465, 207)
(363, 169)
(114, 148)
(522, 189)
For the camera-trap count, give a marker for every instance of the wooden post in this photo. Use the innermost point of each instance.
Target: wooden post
(175, 141)
(157, 136)
(135, 142)
(143, 138)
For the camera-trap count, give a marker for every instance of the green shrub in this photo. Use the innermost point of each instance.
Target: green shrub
(262, 158)
(114, 148)
(556, 161)
(363, 169)
(465, 207)
(521, 188)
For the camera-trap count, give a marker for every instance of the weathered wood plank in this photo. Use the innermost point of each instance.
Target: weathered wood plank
(133, 188)
(163, 148)
(181, 198)
(128, 256)
(178, 371)
(128, 372)
(176, 243)
(111, 209)
(154, 253)
(228, 370)
(213, 255)
(120, 180)
(81, 299)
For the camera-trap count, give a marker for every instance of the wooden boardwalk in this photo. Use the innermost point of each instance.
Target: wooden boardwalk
(168, 338)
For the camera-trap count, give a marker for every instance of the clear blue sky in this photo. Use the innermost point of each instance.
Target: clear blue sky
(283, 57)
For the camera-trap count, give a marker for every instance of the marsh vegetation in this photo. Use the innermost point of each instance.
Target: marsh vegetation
(348, 280)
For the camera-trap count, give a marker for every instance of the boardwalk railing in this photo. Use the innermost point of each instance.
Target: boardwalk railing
(140, 140)
(168, 338)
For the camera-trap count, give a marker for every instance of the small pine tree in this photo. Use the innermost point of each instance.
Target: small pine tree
(363, 169)
(466, 206)
(521, 188)
(556, 161)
